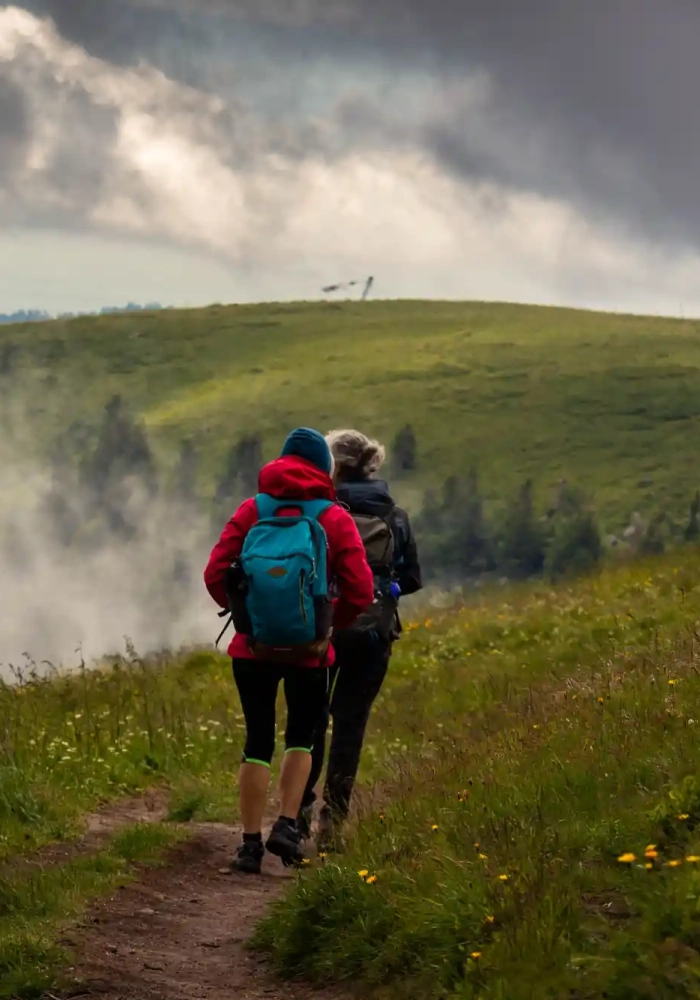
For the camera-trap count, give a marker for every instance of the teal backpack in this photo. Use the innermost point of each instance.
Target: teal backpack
(284, 580)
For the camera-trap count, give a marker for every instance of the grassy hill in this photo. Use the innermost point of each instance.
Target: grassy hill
(528, 820)
(535, 828)
(609, 401)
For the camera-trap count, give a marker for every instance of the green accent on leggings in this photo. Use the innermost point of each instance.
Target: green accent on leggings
(262, 763)
(297, 750)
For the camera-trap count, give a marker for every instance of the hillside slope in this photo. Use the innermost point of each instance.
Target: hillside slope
(527, 822)
(610, 401)
(535, 830)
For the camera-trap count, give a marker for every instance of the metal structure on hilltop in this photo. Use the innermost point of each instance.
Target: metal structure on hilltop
(350, 284)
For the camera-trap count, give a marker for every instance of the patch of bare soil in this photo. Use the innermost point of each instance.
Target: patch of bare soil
(99, 827)
(150, 807)
(179, 932)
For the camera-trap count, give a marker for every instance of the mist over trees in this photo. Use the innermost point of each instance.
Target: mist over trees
(522, 541)
(105, 487)
(239, 476)
(459, 540)
(462, 537)
(404, 451)
(101, 544)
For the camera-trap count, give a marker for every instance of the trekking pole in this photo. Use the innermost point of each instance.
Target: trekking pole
(222, 614)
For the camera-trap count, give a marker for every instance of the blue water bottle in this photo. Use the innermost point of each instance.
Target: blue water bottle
(395, 590)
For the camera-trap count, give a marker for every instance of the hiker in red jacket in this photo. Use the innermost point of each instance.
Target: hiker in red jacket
(303, 473)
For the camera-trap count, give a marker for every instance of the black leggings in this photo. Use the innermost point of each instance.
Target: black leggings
(361, 665)
(306, 693)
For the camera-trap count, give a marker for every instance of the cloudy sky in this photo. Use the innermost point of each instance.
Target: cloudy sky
(193, 151)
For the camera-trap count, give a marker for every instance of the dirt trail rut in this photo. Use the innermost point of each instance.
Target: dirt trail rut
(178, 933)
(98, 827)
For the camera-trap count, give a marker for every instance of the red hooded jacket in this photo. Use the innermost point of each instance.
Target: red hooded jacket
(296, 479)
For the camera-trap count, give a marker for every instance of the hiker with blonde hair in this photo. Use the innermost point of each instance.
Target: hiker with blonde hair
(363, 650)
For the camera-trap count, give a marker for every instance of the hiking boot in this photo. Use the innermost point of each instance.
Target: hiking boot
(285, 843)
(328, 838)
(304, 821)
(248, 857)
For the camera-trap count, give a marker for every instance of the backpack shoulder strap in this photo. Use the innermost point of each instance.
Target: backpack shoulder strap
(267, 506)
(314, 508)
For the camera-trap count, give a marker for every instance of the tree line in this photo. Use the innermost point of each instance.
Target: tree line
(41, 315)
(104, 477)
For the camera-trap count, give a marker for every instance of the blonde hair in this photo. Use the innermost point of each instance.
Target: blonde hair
(355, 455)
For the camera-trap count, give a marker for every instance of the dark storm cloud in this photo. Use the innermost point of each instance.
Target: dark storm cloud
(591, 102)
(13, 110)
(79, 165)
(14, 124)
(115, 29)
(599, 99)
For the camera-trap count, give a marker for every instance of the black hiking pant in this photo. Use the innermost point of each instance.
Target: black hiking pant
(306, 692)
(361, 664)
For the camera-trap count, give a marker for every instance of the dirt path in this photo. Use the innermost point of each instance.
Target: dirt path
(179, 932)
(98, 827)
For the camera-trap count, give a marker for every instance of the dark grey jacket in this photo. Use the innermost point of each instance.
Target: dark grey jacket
(372, 497)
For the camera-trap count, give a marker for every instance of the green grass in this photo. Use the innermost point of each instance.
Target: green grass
(530, 747)
(71, 743)
(37, 903)
(610, 401)
(68, 744)
(539, 723)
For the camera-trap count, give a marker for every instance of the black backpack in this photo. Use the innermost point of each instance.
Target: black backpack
(378, 536)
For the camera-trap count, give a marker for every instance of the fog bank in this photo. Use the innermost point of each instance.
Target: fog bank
(76, 582)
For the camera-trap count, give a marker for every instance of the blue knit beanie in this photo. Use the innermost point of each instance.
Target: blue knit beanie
(311, 445)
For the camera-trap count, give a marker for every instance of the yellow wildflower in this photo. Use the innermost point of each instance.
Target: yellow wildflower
(503, 878)
(323, 855)
(671, 683)
(652, 855)
(693, 859)
(673, 864)
(364, 873)
(490, 920)
(371, 879)
(648, 866)
(601, 700)
(650, 847)
(683, 817)
(627, 859)
(483, 857)
(434, 827)
(476, 955)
